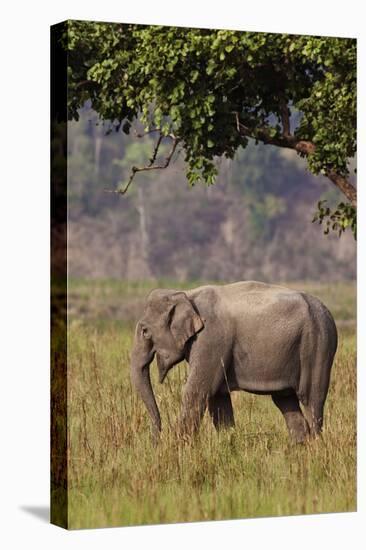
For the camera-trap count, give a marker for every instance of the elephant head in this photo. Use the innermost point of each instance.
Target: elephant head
(170, 320)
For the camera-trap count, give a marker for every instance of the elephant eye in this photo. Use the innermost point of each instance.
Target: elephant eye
(146, 333)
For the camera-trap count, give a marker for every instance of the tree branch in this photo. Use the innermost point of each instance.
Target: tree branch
(150, 166)
(155, 152)
(148, 132)
(83, 83)
(344, 185)
(302, 147)
(285, 117)
(287, 141)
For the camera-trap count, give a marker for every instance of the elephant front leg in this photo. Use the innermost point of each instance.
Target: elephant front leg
(194, 404)
(221, 410)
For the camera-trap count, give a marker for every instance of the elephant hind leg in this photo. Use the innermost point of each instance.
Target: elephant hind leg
(295, 420)
(221, 410)
(313, 405)
(314, 414)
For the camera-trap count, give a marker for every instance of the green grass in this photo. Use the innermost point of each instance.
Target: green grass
(117, 477)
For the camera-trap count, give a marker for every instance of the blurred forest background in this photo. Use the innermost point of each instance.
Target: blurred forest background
(254, 223)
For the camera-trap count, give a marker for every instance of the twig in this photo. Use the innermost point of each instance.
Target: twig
(155, 152)
(148, 167)
(143, 134)
(83, 82)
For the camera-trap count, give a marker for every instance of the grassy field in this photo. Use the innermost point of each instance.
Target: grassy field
(117, 477)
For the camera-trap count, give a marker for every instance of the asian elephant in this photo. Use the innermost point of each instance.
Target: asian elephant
(251, 336)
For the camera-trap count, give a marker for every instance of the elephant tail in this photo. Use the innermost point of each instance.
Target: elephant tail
(317, 350)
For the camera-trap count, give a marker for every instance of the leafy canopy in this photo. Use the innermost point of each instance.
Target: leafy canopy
(213, 90)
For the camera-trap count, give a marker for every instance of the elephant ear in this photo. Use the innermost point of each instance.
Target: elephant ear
(185, 320)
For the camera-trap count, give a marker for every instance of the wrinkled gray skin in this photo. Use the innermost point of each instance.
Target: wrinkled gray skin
(249, 336)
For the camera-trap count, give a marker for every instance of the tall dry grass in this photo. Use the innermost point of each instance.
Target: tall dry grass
(117, 477)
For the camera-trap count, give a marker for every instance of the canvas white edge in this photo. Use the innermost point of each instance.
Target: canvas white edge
(25, 274)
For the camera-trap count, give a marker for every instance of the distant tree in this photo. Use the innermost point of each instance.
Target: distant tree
(211, 91)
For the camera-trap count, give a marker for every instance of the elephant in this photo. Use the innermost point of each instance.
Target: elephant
(251, 336)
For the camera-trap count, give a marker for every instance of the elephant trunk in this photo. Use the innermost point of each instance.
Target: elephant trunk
(140, 376)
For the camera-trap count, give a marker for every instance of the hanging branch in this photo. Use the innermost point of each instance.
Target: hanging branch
(151, 165)
(155, 152)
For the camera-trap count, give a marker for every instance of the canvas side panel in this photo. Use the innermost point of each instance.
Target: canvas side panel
(59, 472)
